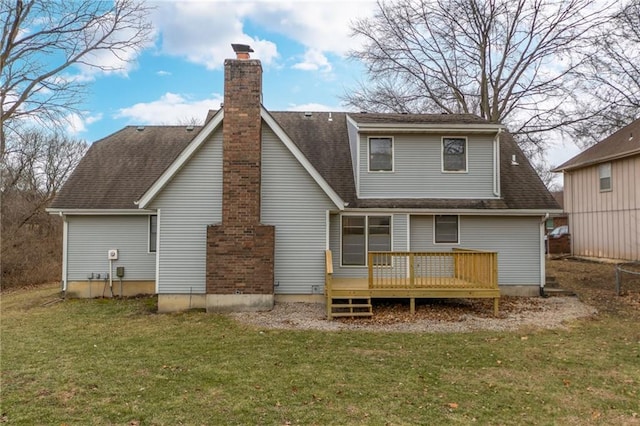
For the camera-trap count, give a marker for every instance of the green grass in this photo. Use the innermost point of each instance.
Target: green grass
(117, 362)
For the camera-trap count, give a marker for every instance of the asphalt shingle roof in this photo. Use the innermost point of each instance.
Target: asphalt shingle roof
(623, 143)
(370, 118)
(119, 169)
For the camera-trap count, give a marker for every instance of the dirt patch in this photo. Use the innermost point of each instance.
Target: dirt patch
(594, 284)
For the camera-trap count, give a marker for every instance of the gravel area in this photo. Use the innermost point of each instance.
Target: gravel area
(432, 316)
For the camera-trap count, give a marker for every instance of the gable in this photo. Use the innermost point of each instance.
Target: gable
(623, 143)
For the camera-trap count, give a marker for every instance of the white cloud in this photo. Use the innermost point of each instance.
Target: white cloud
(77, 123)
(163, 73)
(320, 25)
(202, 31)
(314, 60)
(171, 108)
(120, 62)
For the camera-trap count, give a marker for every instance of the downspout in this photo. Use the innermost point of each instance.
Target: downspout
(65, 239)
(543, 269)
(327, 229)
(496, 163)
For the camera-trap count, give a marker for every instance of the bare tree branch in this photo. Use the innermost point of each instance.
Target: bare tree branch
(507, 61)
(42, 40)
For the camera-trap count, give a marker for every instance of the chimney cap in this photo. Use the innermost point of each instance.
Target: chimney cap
(241, 48)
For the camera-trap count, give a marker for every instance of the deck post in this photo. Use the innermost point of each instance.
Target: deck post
(496, 302)
(327, 282)
(412, 305)
(370, 256)
(412, 271)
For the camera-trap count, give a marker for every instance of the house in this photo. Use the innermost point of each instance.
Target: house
(256, 206)
(602, 196)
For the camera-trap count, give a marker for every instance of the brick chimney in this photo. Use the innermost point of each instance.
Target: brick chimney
(240, 250)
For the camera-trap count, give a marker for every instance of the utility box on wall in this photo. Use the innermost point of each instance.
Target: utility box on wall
(112, 254)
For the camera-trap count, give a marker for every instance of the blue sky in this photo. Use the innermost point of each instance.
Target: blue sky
(302, 45)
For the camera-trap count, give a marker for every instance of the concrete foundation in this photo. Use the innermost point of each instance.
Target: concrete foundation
(520, 290)
(300, 298)
(100, 288)
(181, 302)
(239, 302)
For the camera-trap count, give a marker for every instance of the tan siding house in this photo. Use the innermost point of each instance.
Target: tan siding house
(602, 197)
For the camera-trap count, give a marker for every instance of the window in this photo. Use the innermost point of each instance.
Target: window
(356, 243)
(454, 154)
(353, 240)
(446, 229)
(380, 155)
(604, 170)
(153, 233)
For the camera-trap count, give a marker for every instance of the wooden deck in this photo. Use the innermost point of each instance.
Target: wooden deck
(456, 274)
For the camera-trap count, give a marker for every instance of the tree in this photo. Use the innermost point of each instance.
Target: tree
(42, 40)
(609, 89)
(504, 60)
(34, 169)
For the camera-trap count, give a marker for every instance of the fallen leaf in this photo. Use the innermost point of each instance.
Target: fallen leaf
(453, 405)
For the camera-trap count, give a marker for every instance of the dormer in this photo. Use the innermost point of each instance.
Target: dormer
(443, 156)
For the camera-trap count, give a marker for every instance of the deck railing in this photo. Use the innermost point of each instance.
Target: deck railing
(457, 268)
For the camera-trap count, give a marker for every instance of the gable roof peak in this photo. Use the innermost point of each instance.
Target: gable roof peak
(625, 142)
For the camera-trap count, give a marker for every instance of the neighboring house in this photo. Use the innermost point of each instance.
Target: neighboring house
(602, 197)
(242, 210)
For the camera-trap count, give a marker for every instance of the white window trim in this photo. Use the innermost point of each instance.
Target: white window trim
(149, 234)
(393, 154)
(434, 230)
(366, 236)
(600, 166)
(466, 155)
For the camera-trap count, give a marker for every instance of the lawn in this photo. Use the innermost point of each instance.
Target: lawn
(118, 362)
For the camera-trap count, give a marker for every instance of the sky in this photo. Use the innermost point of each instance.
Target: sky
(178, 77)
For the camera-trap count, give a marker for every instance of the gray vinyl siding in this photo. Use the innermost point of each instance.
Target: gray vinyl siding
(398, 243)
(418, 170)
(516, 239)
(190, 202)
(296, 205)
(90, 237)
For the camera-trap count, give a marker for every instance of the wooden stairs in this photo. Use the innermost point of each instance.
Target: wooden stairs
(350, 307)
(552, 288)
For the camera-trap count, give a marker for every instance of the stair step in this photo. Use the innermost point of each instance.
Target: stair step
(352, 305)
(558, 292)
(352, 314)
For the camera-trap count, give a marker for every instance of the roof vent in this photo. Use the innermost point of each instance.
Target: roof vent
(631, 136)
(189, 128)
(140, 128)
(307, 114)
(330, 117)
(514, 162)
